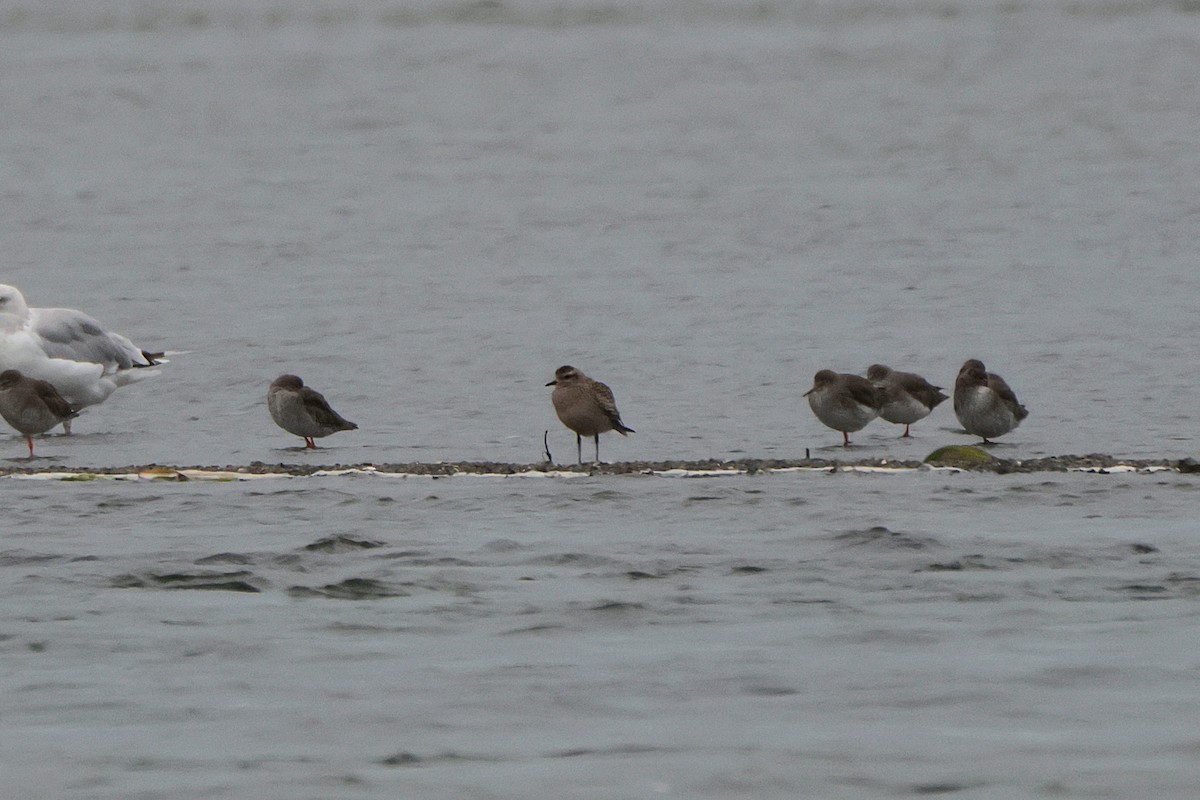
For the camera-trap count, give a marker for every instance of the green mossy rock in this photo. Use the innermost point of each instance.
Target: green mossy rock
(959, 455)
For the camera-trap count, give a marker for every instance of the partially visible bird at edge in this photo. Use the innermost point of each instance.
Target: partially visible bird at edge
(31, 406)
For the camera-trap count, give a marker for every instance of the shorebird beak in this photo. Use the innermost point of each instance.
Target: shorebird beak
(552, 383)
(810, 391)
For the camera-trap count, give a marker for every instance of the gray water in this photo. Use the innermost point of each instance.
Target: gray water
(423, 210)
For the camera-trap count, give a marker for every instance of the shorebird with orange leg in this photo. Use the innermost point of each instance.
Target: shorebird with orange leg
(907, 397)
(70, 349)
(843, 401)
(31, 405)
(303, 411)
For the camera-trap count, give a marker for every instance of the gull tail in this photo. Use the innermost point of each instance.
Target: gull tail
(152, 359)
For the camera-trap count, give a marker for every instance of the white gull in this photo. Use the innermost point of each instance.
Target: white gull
(69, 349)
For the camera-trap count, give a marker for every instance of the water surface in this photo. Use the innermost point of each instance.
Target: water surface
(424, 210)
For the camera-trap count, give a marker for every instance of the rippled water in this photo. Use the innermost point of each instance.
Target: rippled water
(424, 209)
(768, 636)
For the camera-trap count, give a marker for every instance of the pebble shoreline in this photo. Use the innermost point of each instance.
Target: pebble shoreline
(1098, 463)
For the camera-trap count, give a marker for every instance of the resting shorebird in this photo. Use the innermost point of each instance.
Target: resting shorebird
(70, 349)
(984, 403)
(300, 410)
(30, 405)
(907, 397)
(586, 407)
(843, 401)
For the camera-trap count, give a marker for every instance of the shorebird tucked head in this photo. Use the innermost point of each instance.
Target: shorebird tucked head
(878, 372)
(9, 378)
(288, 382)
(565, 376)
(972, 372)
(821, 380)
